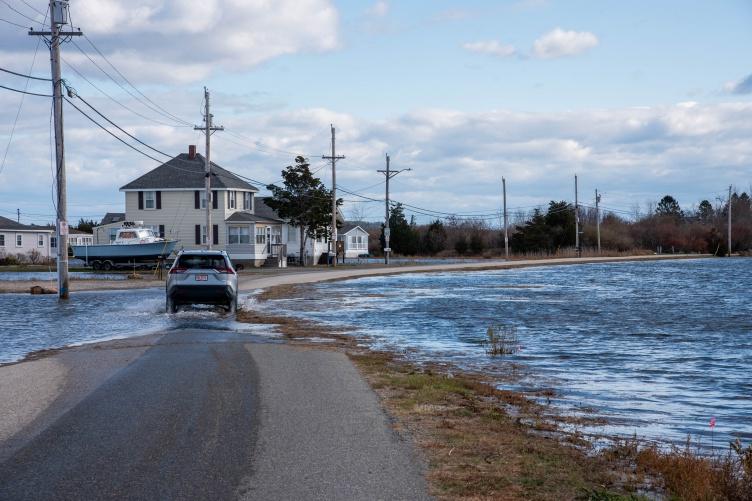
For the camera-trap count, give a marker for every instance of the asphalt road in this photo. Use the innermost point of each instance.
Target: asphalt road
(205, 414)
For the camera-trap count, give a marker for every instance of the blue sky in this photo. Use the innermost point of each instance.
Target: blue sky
(639, 98)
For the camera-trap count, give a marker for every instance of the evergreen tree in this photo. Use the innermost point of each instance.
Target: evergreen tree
(304, 202)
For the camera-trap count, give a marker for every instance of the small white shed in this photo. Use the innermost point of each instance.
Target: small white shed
(355, 239)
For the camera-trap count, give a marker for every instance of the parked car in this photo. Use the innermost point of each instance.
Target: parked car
(202, 277)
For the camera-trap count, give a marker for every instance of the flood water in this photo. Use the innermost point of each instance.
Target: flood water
(32, 323)
(52, 275)
(658, 348)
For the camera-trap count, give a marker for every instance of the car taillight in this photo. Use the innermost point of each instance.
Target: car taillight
(229, 271)
(178, 270)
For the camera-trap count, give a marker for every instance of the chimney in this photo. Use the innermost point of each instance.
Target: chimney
(191, 152)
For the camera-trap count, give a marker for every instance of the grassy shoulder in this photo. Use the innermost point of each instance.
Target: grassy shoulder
(480, 442)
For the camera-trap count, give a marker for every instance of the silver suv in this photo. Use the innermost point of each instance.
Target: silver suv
(202, 277)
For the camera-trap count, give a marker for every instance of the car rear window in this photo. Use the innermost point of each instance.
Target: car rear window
(201, 262)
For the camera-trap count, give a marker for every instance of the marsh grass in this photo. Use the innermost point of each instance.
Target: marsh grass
(501, 340)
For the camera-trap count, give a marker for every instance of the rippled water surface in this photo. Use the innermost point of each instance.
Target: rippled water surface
(32, 323)
(657, 347)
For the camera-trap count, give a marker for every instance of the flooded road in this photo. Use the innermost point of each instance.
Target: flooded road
(34, 323)
(656, 347)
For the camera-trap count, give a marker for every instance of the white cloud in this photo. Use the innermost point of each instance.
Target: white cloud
(630, 154)
(491, 47)
(186, 40)
(560, 43)
(379, 9)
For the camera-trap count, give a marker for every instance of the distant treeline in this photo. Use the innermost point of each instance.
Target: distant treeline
(664, 227)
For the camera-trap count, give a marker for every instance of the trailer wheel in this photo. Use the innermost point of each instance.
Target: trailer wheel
(96, 265)
(107, 265)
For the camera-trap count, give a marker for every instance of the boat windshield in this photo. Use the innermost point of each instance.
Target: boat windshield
(194, 262)
(127, 234)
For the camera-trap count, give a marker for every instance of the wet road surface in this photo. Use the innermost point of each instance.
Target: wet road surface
(204, 414)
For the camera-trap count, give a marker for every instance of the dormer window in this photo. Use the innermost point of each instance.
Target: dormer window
(231, 202)
(247, 201)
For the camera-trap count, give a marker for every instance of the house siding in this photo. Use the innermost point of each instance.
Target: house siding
(29, 241)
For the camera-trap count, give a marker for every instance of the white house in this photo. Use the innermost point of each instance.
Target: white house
(17, 238)
(171, 200)
(355, 240)
(78, 237)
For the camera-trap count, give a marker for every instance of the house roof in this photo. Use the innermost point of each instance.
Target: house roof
(9, 224)
(247, 217)
(112, 217)
(74, 231)
(347, 228)
(183, 173)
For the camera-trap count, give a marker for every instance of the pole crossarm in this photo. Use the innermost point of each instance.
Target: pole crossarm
(61, 33)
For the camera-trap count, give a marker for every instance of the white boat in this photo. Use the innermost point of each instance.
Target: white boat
(133, 244)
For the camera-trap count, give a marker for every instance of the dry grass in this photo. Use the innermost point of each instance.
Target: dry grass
(475, 447)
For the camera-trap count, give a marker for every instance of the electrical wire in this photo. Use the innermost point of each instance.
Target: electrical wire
(109, 132)
(25, 76)
(25, 92)
(121, 129)
(14, 24)
(20, 104)
(182, 123)
(169, 115)
(125, 107)
(20, 13)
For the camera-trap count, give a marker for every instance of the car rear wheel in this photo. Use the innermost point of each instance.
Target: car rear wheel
(170, 306)
(232, 308)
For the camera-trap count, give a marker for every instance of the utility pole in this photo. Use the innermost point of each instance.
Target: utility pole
(506, 226)
(576, 220)
(598, 219)
(387, 231)
(333, 237)
(208, 128)
(18, 215)
(729, 223)
(58, 19)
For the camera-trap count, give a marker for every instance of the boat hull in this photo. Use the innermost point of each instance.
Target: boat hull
(125, 253)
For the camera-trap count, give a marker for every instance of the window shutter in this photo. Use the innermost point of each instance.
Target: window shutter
(161, 231)
(159, 200)
(198, 234)
(140, 200)
(196, 200)
(215, 200)
(215, 234)
(228, 199)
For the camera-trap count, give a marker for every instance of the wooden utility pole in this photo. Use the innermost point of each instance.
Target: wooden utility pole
(387, 231)
(729, 222)
(208, 128)
(58, 19)
(598, 219)
(576, 220)
(333, 237)
(506, 225)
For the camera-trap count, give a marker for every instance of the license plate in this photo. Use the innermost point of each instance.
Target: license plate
(202, 278)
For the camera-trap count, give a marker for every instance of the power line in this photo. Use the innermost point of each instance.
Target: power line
(152, 108)
(169, 115)
(26, 76)
(120, 128)
(25, 92)
(110, 133)
(14, 24)
(21, 13)
(20, 104)
(125, 107)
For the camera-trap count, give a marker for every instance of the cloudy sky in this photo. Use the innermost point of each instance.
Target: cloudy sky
(639, 98)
